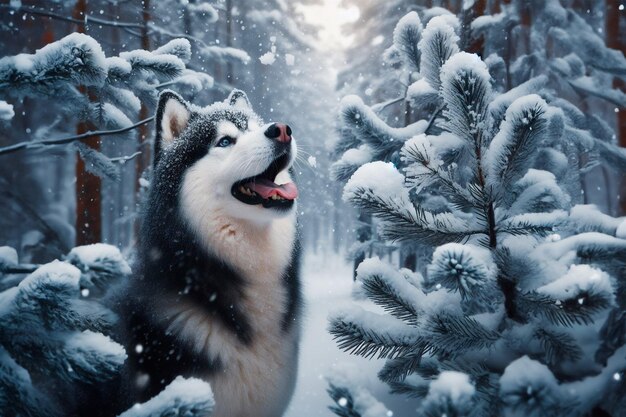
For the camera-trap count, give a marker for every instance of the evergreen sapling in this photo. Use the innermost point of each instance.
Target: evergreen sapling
(517, 312)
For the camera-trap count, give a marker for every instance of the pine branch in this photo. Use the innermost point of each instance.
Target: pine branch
(457, 195)
(397, 369)
(381, 292)
(512, 149)
(567, 313)
(406, 37)
(402, 224)
(540, 224)
(558, 346)
(457, 334)
(433, 118)
(369, 342)
(410, 390)
(69, 139)
(343, 399)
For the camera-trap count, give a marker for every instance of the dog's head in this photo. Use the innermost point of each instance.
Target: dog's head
(228, 159)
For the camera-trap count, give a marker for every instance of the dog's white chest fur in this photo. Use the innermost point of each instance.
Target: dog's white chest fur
(258, 379)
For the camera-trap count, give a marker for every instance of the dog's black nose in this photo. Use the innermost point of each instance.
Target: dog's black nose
(279, 131)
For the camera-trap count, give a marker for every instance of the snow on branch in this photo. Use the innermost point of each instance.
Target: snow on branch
(371, 130)
(406, 37)
(77, 59)
(190, 397)
(511, 151)
(6, 111)
(69, 139)
(466, 269)
(439, 42)
(466, 91)
(386, 287)
(370, 335)
(377, 188)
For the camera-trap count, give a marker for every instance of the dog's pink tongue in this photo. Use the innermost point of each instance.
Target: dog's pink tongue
(266, 188)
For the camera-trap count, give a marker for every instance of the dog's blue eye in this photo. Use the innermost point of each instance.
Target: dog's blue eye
(225, 142)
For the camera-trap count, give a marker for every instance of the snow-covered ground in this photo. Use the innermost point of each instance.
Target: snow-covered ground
(327, 282)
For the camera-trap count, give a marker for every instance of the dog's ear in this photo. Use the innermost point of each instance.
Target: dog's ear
(238, 98)
(172, 117)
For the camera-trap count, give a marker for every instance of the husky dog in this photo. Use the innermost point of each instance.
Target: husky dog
(217, 292)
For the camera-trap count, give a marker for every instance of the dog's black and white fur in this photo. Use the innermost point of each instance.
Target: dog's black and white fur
(216, 294)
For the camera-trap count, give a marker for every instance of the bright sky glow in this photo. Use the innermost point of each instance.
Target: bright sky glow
(330, 16)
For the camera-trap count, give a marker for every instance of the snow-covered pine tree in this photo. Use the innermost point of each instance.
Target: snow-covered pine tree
(53, 339)
(519, 311)
(554, 45)
(364, 136)
(118, 84)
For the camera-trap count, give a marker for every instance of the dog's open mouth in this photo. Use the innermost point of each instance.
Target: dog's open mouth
(261, 189)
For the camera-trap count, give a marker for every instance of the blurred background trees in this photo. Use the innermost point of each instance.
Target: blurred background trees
(60, 196)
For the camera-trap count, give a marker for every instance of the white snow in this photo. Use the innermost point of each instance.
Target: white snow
(223, 54)
(327, 285)
(194, 82)
(621, 230)
(114, 118)
(553, 218)
(418, 89)
(487, 21)
(452, 385)
(97, 344)
(62, 273)
(8, 256)
(96, 253)
(579, 279)
(6, 111)
(524, 376)
(584, 217)
(565, 249)
(535, 185)
(464, 62)
(290, 59)
(179, 392)
(357, 156)
(534, 176)
(267, 58)
(382, 178)
(22, 62)
(499, 104)
(179, 47)
(118, 66)
(312, 161)
(148, 59)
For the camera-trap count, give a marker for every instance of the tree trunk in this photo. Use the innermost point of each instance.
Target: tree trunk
(476, 45)
(614, 41)
(88, 186)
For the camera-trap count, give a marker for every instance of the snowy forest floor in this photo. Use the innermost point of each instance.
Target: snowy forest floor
(327, 286)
